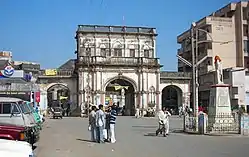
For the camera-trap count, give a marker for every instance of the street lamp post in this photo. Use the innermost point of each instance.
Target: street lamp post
(197, 42)
(195, 63)
(193, 69)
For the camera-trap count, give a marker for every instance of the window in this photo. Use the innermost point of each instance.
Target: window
(88, 51)
(246, 44)
(244, 13)
(15, 108)
(118, 52)
(6, 108)
(245, 30)
(152, 95)
(209, 45)
(146, 53)
(103, 51)
(132, 52)
(24, 108)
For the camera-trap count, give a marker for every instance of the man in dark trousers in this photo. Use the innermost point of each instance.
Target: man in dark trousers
(113, 117)
(68, 108)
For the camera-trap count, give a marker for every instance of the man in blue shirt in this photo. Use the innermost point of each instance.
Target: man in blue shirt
(113, 117)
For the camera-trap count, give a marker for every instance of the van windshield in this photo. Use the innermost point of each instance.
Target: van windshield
(24, 108)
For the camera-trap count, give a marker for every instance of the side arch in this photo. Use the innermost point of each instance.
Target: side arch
(53, 84)
(172, 97)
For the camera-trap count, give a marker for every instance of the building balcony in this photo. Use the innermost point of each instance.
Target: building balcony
(120, 61)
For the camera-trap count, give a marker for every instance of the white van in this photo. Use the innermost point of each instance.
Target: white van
(10, 148)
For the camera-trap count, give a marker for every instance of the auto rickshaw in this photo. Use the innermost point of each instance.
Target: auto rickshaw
(57, 112)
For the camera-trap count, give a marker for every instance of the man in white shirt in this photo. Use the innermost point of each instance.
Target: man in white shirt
(100, 124)
(92, 123)
(163, 120)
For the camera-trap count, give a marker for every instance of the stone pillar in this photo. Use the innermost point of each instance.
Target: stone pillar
(158, 100)
(158, 95)
(143, 91)
(103, 98)
(81, 95)
(135, 100)
(140, 90)
(122, 98)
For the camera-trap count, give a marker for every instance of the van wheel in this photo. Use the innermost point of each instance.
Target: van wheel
(61, 117)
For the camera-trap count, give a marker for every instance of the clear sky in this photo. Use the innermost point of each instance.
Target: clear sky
(43, 30)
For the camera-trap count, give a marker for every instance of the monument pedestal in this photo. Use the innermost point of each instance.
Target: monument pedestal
(219, 113)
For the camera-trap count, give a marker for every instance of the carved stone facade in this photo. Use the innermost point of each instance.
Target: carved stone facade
(126, 53)
(107, 53)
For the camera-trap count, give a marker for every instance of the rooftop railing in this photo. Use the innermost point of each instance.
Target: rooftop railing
(115, 29)
(130, 61)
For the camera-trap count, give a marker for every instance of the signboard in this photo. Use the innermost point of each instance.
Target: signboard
(50, 72)
(7, 72)
(13, 93)
(37, 97)
(16, 94)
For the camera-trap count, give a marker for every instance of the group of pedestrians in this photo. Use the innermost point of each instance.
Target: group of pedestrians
(102, 124)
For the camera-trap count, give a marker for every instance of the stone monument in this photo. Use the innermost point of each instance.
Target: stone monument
(219, 112)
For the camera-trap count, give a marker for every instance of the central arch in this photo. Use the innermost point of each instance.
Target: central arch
(121, 90)
(172, 98)
(58, 94)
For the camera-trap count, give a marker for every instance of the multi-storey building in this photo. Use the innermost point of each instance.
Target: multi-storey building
(226, 36)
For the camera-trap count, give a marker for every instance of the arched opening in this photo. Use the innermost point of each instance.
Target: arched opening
(57, 95)
(172, 98)
(121, 92)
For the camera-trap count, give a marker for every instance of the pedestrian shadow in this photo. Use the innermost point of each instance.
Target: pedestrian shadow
(150, 134)
(84, 140)
(149, 127)
(180, 131)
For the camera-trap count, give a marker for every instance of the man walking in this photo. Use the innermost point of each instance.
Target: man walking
(163, 120)
(167, 113)
(113, 117)
(92, 123)
(100, 124)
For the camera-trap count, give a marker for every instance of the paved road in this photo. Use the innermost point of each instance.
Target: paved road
(135, 138)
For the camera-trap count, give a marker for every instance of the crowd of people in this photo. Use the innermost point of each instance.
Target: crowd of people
(102, 123)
